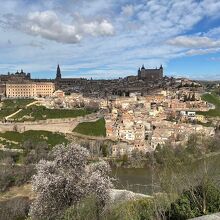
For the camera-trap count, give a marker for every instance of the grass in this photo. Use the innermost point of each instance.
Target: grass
(10, 106)
(215, 100)
(35, 112)
(96, 128)
(13, 139)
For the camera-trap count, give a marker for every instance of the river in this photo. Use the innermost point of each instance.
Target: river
(135, 179)
(140, 179)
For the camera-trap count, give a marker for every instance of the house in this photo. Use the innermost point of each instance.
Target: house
(201, 118)
(121, 149)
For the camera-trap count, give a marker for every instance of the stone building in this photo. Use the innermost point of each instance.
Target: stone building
(29, 89)
(45, 89)
(12, 77)
(150, 74)
(18, 76)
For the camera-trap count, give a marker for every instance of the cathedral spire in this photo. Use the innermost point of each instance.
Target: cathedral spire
(58, 76)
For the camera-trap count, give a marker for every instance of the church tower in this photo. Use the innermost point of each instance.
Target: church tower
(58, 76)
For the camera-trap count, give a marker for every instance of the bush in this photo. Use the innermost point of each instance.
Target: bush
(14, 176)
(200, 200)
(132, 210)
(85, 210)
(67, 179)
(15, 208)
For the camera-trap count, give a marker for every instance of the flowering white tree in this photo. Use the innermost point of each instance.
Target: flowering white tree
(67, 179)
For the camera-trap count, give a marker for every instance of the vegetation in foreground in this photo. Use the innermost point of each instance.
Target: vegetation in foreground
(14, 139)
(17, 167)
(96, 128)
(214, 99)
(10, 106)
(66, 179)
(185, 192)
(199, 200)
(35, 112)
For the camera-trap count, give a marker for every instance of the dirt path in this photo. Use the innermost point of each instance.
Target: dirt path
(15, 113)
(74, 134)
(16, 191)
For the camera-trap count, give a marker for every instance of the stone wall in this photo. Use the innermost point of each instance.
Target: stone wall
(65, 125)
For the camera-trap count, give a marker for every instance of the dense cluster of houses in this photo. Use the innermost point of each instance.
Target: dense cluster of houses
(75, 100)
(144, 122)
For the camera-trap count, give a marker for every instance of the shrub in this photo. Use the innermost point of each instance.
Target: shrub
(200, 200)
(15, 208)
(66, 180)
(132, 210)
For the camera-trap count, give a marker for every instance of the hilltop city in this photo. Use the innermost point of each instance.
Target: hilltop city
(140, 112)
(110, 110)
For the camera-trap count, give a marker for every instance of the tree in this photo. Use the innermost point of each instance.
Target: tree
(185, 98)
(193, 98)
(105, 150)
(191, 202)
(34, 152)
(67, 179)
(15, 128)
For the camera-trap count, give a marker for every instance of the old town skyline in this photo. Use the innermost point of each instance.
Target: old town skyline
(108, 39)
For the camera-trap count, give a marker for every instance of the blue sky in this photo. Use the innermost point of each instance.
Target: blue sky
(109, 38)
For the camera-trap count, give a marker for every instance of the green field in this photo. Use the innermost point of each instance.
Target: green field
(215, 100)
(96, 128)
(12, 139)
(35, 112)
(10, 106)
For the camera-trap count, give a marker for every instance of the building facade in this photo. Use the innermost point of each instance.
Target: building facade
(45, 89)
(15, 77)
(29, 89)
(150, 74)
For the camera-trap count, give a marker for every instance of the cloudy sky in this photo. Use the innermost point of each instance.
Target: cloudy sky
(110, 38)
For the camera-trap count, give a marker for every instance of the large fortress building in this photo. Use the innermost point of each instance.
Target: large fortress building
(29, 89)
(20, 85)
(150, 74)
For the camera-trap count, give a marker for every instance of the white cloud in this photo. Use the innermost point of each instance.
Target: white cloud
(139, 32)
(48, 25)
(215, 32)
(202, 51)
(194, 42)
(128, 10)
(196, 45)
(98, 28)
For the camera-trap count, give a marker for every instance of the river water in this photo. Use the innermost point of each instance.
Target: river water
(140, 179)
(135, 179)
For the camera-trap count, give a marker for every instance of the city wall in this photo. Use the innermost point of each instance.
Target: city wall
(65, 125)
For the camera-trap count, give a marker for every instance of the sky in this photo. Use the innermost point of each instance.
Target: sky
(106, 39)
